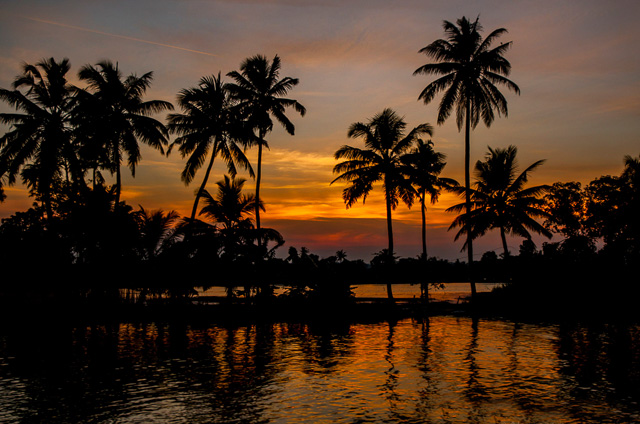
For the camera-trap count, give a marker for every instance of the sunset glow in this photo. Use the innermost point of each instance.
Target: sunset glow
(577, 65)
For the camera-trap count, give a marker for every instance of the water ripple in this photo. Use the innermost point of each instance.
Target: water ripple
(444, 370)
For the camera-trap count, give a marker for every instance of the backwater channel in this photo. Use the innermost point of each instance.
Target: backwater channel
(444, 369)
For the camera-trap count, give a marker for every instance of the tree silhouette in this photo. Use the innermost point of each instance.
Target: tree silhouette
(234, 210)
(260, 94)
(469, 70)
(40, 141)
(230, 207)
(158, 231)
(500, 200)
(380, 161)
(123, 117)
(425, 166)
(210, 125)
(613, 207)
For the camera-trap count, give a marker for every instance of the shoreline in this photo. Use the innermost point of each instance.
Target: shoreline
(489, 305)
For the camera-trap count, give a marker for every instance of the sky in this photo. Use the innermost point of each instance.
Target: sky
(577, 64)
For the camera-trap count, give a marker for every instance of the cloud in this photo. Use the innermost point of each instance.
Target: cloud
(124, 37)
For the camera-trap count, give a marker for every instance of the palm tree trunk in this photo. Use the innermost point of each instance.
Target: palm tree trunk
(424, 287)
(467, 185)
(390, 234)
(118, 186)
(504, 242)
(204, 181)
(258, 178)
(46, 199)
(424, 227)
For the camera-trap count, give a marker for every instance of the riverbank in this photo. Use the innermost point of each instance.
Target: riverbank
(511, 302)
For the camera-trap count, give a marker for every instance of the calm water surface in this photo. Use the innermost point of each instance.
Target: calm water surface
(445, 370)
(450, 292)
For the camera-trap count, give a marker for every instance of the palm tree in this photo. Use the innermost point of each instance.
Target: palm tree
(209, 126)
(380, 161)
(234, 211)
(40, 141)
(469, 70)
(123, 117)
(425, 166)
(260, 92)
(341, 256)
(158, 231)
(500, 200)
(230, 207)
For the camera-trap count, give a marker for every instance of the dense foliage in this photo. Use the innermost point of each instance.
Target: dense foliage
(80, 238)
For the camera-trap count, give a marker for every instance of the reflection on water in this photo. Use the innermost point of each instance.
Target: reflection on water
(444, 370)
(449, 292)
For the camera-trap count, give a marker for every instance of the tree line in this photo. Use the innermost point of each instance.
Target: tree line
(63, 138)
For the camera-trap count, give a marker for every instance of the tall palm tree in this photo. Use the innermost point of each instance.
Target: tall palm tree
(210, 125)
(260, 93)
(425, 166)
(469, 70)
(381, 161)
(40, 141)
(500, 200)
(123, 117)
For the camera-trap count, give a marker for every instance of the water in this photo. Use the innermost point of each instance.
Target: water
(445, 370)
(451, 292)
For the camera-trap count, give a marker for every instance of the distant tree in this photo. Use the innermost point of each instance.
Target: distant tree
(469, 70)
(158, 234)
(40, 140)
(209, 126)
(124, 118)
(158, 231)
(381, 161)
(425, 166)
(293, 254)
(566, 205)
(501, 201)
(234, 210)
(527, 248)
(341, 256)
(260, 92)
(489, 257)
(613, 210)
(230, 207)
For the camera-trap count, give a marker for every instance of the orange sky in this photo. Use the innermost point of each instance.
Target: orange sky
(578, 66)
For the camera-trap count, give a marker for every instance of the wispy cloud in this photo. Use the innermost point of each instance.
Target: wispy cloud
(124, 37)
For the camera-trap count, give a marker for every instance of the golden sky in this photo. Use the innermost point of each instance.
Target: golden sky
(577, 65)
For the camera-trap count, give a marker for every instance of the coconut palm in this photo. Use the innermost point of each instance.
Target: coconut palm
(381, 161)
(234, 210)
(39, 142)
(469, 70)
(425, 166)
(260, 92)
(500, 200)
(209, 126)
(158, 231)
(123, 117)
(230, 207)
